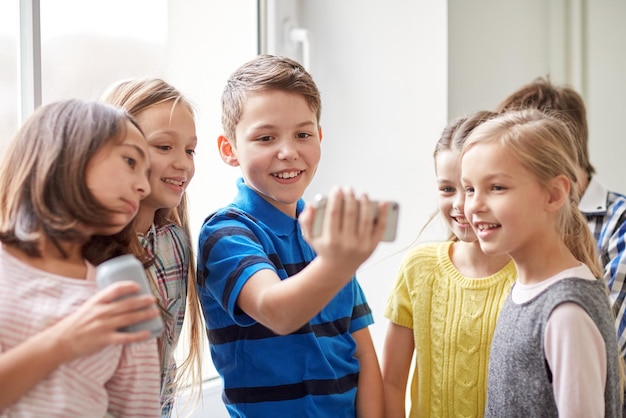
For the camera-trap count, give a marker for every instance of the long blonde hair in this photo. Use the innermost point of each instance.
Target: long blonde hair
(543, 143)
(137, 96)
(545, 146)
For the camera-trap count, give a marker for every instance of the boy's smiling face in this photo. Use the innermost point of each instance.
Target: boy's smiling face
(277, 147)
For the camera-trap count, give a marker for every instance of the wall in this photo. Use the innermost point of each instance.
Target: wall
(605, 65)
(208, 40)
(496, 46)
(382, 71)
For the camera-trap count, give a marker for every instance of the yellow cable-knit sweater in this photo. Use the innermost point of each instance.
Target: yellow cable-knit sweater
(453, 318)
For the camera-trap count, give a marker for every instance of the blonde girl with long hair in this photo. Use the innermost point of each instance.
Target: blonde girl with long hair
(167, 119)
(554, 351)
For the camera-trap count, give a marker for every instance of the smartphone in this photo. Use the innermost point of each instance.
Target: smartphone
(392, 218)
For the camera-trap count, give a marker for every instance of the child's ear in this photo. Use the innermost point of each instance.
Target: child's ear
(227, 151)
(559, 191)
(319, 132)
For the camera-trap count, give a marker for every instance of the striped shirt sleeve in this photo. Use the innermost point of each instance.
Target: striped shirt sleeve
(134, 388)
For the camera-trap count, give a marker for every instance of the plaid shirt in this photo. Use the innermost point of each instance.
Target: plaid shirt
(606, 216)
(169, 246)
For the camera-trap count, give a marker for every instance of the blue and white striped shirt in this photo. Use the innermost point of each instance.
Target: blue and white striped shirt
(606, 216)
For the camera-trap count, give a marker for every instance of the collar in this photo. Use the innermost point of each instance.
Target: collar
(148, 241)
(249, 201)
(594, 198)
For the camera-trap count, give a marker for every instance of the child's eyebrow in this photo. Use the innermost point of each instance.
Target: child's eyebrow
(270, 126)
(306, 123)
(140, 151)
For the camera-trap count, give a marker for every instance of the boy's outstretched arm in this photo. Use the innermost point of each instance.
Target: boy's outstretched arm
(349, 237)
(369, 396)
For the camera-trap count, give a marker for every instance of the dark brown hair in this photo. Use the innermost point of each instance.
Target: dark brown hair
(561, 101)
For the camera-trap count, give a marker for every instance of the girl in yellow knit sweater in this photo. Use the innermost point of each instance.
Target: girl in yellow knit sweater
(444, 305)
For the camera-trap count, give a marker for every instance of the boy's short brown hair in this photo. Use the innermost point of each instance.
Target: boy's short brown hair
(266, 72)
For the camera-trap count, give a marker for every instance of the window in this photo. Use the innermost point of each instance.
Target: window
(86, 46)
(9, 29)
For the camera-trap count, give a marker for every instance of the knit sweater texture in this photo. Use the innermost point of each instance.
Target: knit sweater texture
(453, 318)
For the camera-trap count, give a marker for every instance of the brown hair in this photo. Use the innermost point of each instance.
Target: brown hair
(562, 101)
(266, 72)
(43, 192)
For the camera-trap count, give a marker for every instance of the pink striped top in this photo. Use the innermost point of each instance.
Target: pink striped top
(119, 381)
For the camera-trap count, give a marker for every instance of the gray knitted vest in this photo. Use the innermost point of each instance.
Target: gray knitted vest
(520, 382)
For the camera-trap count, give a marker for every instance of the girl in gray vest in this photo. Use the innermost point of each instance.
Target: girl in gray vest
(554, 351)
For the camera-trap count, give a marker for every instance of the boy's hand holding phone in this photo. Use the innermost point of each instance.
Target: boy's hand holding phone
(345, 228)
(391, 222)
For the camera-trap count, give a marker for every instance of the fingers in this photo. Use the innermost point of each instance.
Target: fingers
(306, 222)
(366, 218)
(382, 219)
(345, 216)
(351, 216)
(119, 305)
(116, 291)
(122, 297)
(334, 212)
(124, 316)
(129, 337)
(91, 328)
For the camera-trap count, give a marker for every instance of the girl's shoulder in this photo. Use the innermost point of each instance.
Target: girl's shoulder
(226, 217)
(427, 254)
(171, 235)
(169, 228)
(429, 250)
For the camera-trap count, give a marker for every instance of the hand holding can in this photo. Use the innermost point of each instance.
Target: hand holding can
(129, 268)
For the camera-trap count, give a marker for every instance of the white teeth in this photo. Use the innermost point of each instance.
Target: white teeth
(288, 175)
(174, 182)
(484, 227)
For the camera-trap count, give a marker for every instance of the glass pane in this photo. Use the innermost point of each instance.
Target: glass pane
(9, 29)
(88, 45)
(193, 44)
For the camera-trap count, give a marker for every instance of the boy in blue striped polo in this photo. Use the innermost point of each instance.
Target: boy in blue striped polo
(286, 319)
